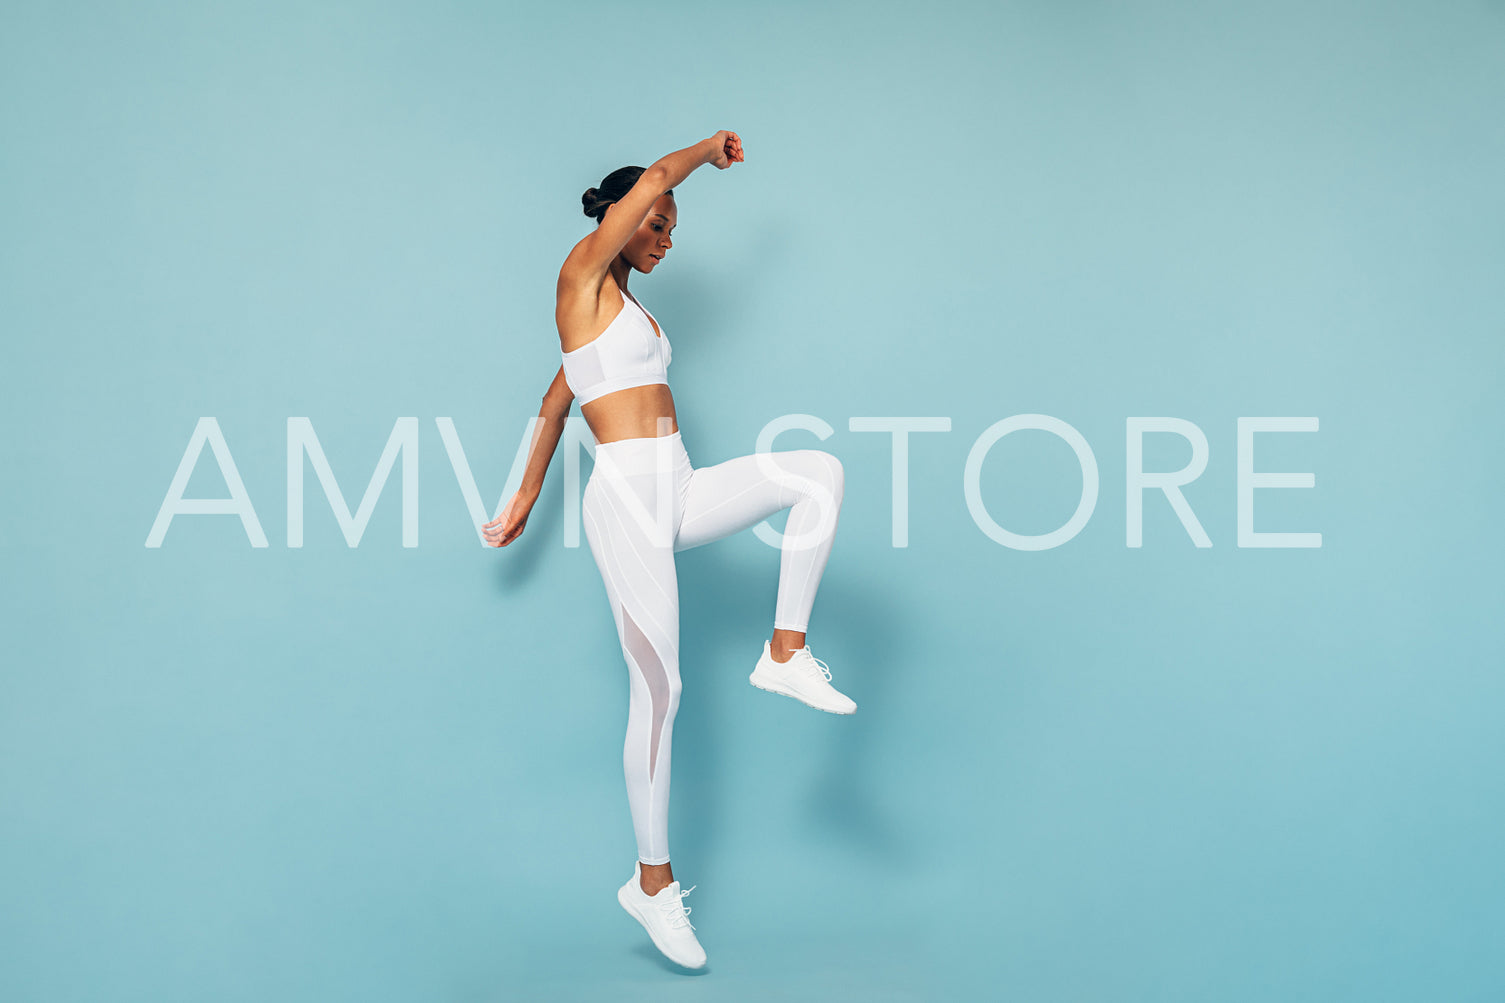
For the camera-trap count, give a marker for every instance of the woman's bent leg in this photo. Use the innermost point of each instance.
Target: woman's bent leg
(731, 496)
(638, 571)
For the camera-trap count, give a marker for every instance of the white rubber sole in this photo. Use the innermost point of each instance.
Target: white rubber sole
(626, 901)
(770, 686)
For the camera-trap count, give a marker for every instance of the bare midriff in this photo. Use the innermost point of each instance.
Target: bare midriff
(633, 413)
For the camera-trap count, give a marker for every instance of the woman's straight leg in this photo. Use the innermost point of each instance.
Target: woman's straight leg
(634, 554)
(731, 496)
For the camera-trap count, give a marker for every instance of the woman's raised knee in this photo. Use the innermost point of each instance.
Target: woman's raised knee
(830, 470)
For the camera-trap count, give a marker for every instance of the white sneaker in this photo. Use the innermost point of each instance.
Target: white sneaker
(804, 677)
(665, 917)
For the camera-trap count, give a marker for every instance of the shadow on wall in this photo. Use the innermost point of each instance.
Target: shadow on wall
(852, 620)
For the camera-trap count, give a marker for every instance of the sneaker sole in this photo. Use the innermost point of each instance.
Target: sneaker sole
(632, 911)
(771, 687)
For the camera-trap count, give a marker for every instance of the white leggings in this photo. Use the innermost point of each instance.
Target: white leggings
(644, 502)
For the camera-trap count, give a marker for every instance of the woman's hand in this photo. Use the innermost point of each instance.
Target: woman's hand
(509, 525)
(728, 149)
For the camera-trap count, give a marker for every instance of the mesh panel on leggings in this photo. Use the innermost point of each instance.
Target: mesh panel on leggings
(657, 679)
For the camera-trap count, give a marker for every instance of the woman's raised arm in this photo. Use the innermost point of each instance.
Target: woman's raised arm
(592, 255)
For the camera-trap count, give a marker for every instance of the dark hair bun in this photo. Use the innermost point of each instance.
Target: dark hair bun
(615, 185)
(594, 204)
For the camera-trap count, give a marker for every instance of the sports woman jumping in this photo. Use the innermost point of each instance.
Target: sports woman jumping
(645, 501)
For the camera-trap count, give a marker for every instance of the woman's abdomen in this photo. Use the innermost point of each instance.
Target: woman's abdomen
(635, 412)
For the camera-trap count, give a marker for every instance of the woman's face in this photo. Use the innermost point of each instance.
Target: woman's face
(651, 241)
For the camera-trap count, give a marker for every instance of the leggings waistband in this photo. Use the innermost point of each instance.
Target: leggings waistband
(642, 452)
(637, 438)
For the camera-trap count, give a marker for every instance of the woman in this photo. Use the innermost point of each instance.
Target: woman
(645, 501)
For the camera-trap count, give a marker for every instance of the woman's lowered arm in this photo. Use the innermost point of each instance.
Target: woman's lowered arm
(552, 415)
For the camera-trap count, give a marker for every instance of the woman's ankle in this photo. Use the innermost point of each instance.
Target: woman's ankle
(654, 877)
(785, 643)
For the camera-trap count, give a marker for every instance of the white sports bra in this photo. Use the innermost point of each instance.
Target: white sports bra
(627, 354)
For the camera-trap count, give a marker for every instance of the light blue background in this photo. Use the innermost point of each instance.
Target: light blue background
(1091, 773)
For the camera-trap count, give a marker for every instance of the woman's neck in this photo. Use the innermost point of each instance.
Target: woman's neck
(619, 272)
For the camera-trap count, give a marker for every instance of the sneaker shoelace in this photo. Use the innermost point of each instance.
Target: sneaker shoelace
(676, 912)
(813, 664)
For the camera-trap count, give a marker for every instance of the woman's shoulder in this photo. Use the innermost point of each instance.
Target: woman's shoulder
(582, 282)
(581, 269)
(579, 310)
